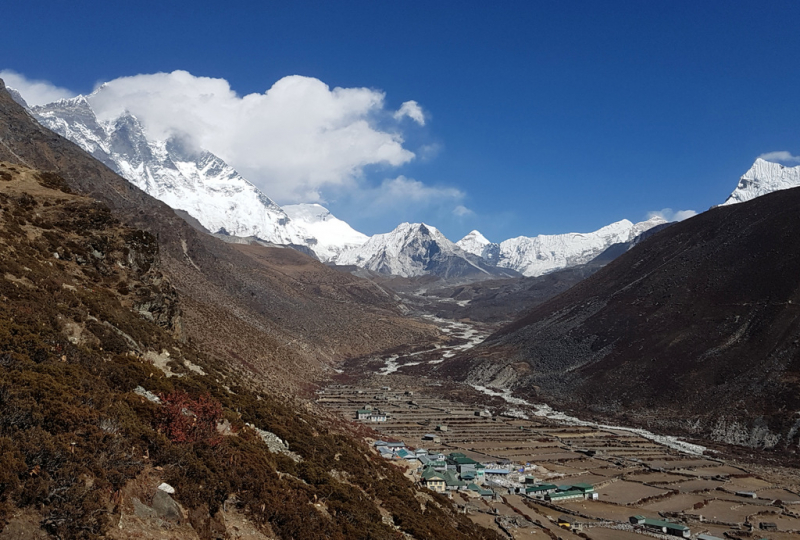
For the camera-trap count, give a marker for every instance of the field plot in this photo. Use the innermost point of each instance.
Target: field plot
(603, 510)
(602, 533)
(583, 478)
(729, 511)
(719, 470)
(783, 495)
(680, 463)
(693, 486)
(611, 470)
(747, 483)
(624, 492)
(656, 477)
(675, 503)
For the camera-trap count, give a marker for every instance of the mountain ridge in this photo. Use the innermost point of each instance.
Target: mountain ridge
(695, 330)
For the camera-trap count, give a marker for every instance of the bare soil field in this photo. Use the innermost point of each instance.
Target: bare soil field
(608, 511)
(729, 511)
(692, 486)
(656, 477)
(602, 533)
(747, 483)
(780, 495)
(675, 503)
(624, 492)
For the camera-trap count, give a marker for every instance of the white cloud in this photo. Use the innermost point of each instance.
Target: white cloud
(295, 140)
(782, 155)
(462, 211)
(412, 110)
(427, 152)
(402, 190)
(33, 91)
(671, 215)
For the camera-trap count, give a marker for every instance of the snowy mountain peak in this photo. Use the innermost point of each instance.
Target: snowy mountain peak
(479, 245)
(330, 235)
(534, 256)
(188, 179)
(416, 249)
(762, 178)
(17, 97)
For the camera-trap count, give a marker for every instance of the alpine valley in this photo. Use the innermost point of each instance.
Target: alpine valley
(183, 358)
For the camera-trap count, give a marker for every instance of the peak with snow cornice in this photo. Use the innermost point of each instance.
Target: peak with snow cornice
(762, 178)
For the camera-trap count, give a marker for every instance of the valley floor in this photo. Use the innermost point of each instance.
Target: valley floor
(633, 472)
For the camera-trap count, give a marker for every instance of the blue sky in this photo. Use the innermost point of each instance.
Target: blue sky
(539, 117)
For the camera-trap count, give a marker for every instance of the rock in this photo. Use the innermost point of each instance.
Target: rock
(166, 508)
(166, 488)
(141, 510)
(149, 396)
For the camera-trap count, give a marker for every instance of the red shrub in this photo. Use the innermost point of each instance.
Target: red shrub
(187, 420)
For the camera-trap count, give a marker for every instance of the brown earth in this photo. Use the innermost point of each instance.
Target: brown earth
(287, 331)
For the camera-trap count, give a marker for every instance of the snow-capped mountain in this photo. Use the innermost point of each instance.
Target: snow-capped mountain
(479, 245)
(762, 178)
(534, 256)
(326, 235)
(197, 182)
(417, 249)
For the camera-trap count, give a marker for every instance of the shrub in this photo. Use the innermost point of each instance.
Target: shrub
(187, 420)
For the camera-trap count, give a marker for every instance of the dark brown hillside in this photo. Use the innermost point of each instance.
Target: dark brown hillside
(100, 404)
(695, 330)
(286, 332)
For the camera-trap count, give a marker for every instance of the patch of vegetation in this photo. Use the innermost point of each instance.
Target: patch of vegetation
(73, 431)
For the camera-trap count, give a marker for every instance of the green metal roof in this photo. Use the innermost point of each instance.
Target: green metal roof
(451, 479)
(540, 487)
(430, 474)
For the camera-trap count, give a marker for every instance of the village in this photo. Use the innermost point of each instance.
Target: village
(531, 477)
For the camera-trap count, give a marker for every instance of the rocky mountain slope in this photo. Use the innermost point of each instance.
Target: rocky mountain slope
(287, 332)
(695, 330)
(416, 249)
(114, 425)
(762, 178)
(535, 256)
(195, 181)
